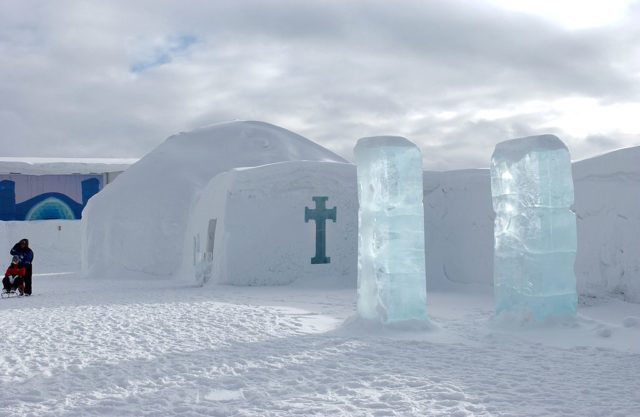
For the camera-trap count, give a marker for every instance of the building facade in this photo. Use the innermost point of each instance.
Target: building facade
(51, 190)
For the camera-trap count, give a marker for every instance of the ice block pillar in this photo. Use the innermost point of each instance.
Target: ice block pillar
(535, 229)
(391, 254)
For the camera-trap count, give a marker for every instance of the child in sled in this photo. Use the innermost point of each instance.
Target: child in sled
(14, 277)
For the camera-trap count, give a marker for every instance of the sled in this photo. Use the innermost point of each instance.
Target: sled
(10, 294)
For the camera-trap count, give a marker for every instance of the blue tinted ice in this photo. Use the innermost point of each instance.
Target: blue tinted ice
(391, 255)
(535, 229)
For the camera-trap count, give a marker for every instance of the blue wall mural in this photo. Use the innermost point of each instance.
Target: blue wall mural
(46, 197)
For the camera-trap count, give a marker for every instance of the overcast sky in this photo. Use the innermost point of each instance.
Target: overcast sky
(114, 79)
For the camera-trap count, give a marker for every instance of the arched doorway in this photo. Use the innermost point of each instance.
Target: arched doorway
(50, 208)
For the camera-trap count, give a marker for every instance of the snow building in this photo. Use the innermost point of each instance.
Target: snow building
(240, 202)
(275, 224)
(47, 189)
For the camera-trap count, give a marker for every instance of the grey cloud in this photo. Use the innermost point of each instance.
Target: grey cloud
(332, 71)
(468, 38)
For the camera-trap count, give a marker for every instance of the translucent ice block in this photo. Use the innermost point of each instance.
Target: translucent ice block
(535, 229)
(391, 255)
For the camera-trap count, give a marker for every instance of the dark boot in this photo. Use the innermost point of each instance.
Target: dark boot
(28, 279)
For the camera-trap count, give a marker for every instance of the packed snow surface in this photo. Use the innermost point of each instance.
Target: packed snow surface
(535, 229)
(391, 257)
(153, 197)
(155, 348)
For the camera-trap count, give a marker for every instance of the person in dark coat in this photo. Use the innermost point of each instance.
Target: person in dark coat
(25, 254)
(14, 277)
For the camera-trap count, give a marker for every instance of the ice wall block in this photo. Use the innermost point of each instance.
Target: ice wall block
(535, 229)
(391, 252)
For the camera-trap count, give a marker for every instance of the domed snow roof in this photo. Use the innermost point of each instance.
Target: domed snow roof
(137, 223)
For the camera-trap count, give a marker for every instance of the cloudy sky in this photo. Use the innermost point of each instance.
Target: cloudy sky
(114, 79)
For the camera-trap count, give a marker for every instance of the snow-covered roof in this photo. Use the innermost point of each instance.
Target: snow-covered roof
(626, 160)
(57, 166)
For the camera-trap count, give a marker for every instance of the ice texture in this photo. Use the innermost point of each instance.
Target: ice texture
(391, 253)
(535, 228)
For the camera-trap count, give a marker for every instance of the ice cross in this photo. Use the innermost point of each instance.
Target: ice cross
(320, 215)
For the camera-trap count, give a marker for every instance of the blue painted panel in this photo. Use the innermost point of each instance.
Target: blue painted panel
(90, 188)
(7, 200)
(48, 206)
(43, 197)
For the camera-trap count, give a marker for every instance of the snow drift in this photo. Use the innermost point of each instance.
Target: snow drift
(137, 224)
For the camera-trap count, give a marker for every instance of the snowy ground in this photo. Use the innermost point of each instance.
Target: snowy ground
(84, 348)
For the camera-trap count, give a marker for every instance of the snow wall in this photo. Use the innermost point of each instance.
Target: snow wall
(55, 244)
(459, 225)
(607, 205)
(248, 226)
(137, 224)
(261, 237)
